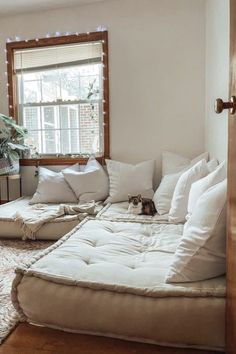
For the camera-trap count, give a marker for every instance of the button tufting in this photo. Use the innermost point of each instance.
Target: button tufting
(131, 266)
(86, 261)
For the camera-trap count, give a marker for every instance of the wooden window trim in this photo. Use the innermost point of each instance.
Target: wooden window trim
(52, 41)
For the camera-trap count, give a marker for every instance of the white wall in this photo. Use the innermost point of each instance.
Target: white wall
(157, 71)
(217, 76)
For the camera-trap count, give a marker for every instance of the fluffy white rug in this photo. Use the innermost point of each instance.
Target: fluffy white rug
(12, 254)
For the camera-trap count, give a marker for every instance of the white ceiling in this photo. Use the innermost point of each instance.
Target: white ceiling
(12, 7)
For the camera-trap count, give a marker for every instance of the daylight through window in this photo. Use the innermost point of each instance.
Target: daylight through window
(59, 92)
(58, 89)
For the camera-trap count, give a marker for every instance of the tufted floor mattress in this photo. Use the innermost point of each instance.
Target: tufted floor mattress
(52, 230)
(108, 278)
(119, 212)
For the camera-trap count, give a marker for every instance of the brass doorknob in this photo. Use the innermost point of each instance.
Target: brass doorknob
(220, 105)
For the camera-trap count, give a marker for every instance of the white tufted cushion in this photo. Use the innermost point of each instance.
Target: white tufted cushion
(113, 249)
(119, 212)
(116, 254)
(108, 278)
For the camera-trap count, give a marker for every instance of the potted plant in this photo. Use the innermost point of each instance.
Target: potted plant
(11, 145)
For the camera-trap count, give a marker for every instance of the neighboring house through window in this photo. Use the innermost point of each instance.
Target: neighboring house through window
(58, 89)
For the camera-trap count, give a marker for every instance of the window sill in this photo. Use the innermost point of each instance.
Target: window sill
(59, 161)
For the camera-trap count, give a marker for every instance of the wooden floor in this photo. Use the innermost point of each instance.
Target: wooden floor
(27, 339)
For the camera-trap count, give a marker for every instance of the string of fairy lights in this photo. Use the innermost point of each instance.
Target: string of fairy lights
(18, 38)
(56, 34)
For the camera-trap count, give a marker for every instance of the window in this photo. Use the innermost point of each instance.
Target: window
(58, 89)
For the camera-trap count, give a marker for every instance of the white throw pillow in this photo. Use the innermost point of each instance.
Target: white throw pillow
(91, 184)
(212, 165)
(200, 254)
(164, 193)
(173, 166)
(52, 187)
(129, 179)
(179, 202)
(199, 187)
(173, 163)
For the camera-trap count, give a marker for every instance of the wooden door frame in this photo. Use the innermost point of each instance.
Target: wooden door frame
(231, 199)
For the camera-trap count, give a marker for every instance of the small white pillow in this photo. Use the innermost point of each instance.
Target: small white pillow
(129, 179)
(173, 163)
(52, 187)
(199, 187)
(179, 203)
(91, 184)
(200, 254)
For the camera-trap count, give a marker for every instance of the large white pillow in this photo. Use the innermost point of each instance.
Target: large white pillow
(164, 193)
(173, 163)
(212, 165)
(200, 254)
(129, 179)
(52, 187)
(179, 202)
(199, 187)
(173, 166)
(91, 184)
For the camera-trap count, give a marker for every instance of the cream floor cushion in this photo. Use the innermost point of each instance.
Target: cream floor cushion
(119, 212)
(52, 230)
(108, 278)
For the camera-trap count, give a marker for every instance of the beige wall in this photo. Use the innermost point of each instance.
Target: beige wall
(157, 71)
(217, 75)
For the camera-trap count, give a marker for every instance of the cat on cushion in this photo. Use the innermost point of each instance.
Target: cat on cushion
(141, 206)
(135, 204)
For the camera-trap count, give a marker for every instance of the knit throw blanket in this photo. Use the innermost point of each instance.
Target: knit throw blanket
(34, 217)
